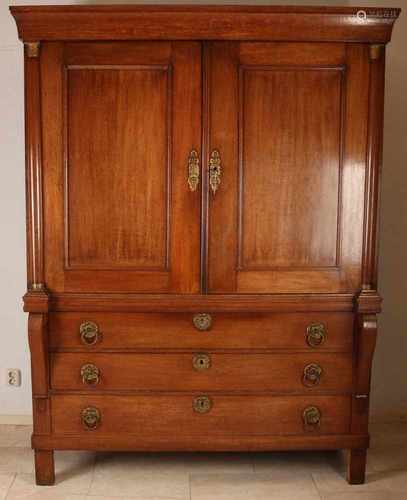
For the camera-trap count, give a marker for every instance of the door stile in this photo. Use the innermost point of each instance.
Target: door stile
(223, 137)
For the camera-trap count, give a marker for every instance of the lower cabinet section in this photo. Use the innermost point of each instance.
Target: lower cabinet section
(207, 415)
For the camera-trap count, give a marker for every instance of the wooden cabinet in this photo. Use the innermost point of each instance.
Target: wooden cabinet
(202, 188)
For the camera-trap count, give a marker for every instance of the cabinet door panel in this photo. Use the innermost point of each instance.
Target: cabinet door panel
(290, 174)
(126, 118)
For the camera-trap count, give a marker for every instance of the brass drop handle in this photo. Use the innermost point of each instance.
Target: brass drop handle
(202, 321)
(215, 171)
(311, 417)
(312, 375)
(316, 334)
(90, 374)
(91, 418)
(202, 404)
(201, 362)
(193, 170)
(89, 332)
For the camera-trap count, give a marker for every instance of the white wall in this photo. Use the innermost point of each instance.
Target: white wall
(13, 344)
(390, 368)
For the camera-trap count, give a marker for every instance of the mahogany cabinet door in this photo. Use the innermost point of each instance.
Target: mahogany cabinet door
(120, 120)
(289, 121)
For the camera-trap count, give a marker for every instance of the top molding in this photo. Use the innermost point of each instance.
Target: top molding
(205, 22)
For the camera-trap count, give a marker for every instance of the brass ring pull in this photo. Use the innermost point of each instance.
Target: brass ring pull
(316, 334)
(215, 170)
(202, 404)
(312, 375)
(201, 362)
(90, 374)
(91, 418)
(193, 170)
(311, 417)
(89, 332)
(202, 321)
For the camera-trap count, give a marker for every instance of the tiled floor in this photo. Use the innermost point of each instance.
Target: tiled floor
(260, 476)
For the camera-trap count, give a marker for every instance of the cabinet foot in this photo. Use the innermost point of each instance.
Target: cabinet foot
(357, 466)
(44, 467)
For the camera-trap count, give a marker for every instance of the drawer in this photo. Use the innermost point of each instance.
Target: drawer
(294, 372)
(197, 414)
(310, 331)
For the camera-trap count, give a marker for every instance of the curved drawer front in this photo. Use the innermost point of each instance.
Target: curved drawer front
(308, 331)
(202, 371)
(163, 415)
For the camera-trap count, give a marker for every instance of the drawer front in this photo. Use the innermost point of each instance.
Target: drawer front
(202, 371)
(309, 331)
(163, 415)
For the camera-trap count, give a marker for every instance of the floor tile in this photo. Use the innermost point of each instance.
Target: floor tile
(5, 482)
(140, 476)
(74, 473)
(207, 463)
(335, 482)
(24, 487)
(396, 481)
(177, 462)
(297, 461)
(363, 495)
(142, 486)
(97, 497)
(15, 435)
(253, 486)
(16, 459)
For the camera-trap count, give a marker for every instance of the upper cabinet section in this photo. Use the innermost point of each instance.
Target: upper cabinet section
(183, 22)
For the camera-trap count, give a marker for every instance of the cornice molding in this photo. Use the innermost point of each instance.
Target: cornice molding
(209, 22)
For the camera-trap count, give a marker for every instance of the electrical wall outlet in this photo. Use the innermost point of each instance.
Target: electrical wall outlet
(13, 377)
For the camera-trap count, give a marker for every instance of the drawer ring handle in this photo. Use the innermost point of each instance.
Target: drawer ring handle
(89, 332)
(316, 334)
(90, 374)
(312, 418)
(91, 418)
(312, 375)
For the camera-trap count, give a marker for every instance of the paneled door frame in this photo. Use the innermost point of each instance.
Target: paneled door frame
(150, 243)
(285, 218)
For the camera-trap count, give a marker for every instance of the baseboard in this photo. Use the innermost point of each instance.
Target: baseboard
(16, 420)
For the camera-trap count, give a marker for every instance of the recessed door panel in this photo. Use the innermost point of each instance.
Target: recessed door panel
(121, 158)
(123, 119)
(288, 167)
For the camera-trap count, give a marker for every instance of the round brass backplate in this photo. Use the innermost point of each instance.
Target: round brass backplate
(202, 321)
(312, 375)
(311, 417)
(89, 332)
(316, 334)
(91, 418)
(202, 404)
(201, 362)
